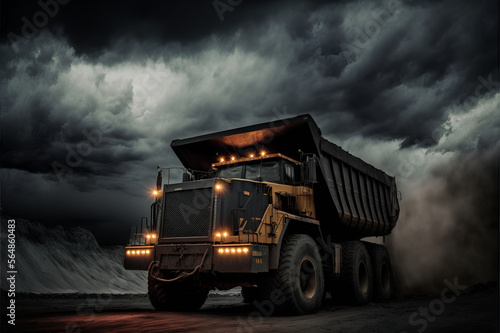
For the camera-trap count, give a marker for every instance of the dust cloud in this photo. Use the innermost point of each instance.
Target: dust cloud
(448, 226)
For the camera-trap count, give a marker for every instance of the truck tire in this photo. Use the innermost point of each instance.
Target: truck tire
(172, 296)
(297, 286)
(355, 283)
(383, 277)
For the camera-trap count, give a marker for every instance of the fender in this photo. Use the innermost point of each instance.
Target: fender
(293, 224)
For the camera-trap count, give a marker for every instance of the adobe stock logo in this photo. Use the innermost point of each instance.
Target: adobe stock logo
(225, 6)
(436, 307)
(40, 19)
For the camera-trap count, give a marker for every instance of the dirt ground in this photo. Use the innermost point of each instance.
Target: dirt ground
(474, 310)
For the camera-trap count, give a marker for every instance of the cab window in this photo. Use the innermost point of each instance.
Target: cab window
(267, 171)
(231, 172)
(289, 174)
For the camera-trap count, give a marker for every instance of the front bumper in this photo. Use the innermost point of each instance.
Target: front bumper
(222, 258)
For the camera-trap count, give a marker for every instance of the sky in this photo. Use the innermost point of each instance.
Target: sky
(93, 93)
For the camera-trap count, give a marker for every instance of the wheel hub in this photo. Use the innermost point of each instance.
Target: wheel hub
(307, 276)
(363, 277)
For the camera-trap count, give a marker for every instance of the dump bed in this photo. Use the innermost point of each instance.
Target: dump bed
(352, 198)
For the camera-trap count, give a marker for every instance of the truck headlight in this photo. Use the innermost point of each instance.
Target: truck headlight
(233, 250)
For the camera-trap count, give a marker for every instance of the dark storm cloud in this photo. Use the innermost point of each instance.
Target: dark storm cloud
(107, 212)
(373, 68)
(92, 27)
(425, 59)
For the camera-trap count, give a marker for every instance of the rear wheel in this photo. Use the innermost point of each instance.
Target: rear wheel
(355, 283)
(173, 296)
(297, 286)
(383, 278)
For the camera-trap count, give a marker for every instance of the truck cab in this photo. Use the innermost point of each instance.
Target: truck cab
(241, 200)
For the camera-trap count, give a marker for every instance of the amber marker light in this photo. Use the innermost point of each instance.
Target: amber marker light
(251, 155)
(153, 236)
(128, 252)
(222, 160)
(225, 234)
(245, 250)
(232, 158)
(217, 235)
(147, 251)
(263, 153)
(239, 250)
(227, 250)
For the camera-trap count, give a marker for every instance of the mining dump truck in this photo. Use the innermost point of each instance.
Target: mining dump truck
(274, 208)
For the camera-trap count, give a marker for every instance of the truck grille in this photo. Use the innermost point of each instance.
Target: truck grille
(187, 213)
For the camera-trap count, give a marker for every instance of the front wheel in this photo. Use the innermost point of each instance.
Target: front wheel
(298, 281)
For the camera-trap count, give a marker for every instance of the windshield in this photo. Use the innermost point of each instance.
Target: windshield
(267, 171)
(231, 172)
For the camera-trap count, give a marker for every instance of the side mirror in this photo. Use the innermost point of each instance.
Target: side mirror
(159, 180)
(186, 177)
